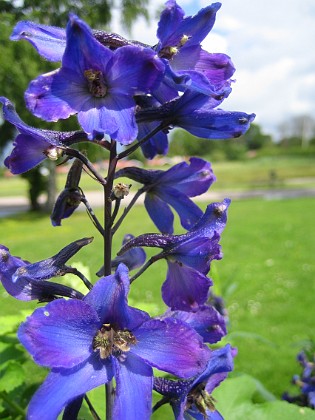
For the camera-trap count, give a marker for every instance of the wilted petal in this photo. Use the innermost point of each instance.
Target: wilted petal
(49, 41)
(172, 346)
(61, 333)
(64, 385)
(185, 288)
(134, 381)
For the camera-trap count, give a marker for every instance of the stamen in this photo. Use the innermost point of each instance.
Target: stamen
(96, 83)
(53, 153)
(108, 341)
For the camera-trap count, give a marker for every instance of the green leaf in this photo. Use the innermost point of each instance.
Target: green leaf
(236, 401)
(12, 376)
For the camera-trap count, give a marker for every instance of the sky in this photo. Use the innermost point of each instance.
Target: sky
(271, 43)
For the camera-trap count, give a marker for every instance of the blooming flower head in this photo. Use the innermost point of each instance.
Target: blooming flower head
(96, 83)
(173, 188)
(192, 399)
(87, 342)
(34, 145)
(188, 258)
(179, 42)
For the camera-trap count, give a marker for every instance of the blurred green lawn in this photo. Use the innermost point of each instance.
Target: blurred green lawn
(266, 276)
(261, 173)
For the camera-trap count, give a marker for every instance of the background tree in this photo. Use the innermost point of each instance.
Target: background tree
(20, 63)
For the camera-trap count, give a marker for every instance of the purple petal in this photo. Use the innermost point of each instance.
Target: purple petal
(172, 346)
(61, 387)
(49, 41)
(159, 212)
(220, 364)
(197, 252)
(60, 334)
(155, 145)
(28, 152)
(198, 26)
(187, 210)
(170, 20)
(134, 381)
(216, 67)
(109, 298)
(56, 95)
(206, 321)
(83, 51)
(112, 115)
(54, 266)
(191, 179)
(184, 288)
(216, 124)
(135, 70)
(213, 220)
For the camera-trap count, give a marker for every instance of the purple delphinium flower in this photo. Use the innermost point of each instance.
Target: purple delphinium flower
(88, 342)
(34, 145)
(173, 188)
(179, 42)
(97, 84)
(194, 112)
(188, 258)
(26, 281)
(134, 258)
(192, 399)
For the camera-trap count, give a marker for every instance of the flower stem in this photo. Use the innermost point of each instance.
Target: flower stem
(131, 149)
(108, 187)
(87, 163)
(147, 265)
(127, 209)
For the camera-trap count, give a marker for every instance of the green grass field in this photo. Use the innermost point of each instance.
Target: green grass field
(266, 276)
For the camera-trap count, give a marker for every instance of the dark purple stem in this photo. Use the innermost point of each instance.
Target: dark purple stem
(108, 187)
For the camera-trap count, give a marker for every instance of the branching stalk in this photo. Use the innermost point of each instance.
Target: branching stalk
(131, 149)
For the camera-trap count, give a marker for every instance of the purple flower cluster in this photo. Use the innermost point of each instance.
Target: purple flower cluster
(306, 381)
(126, 92)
